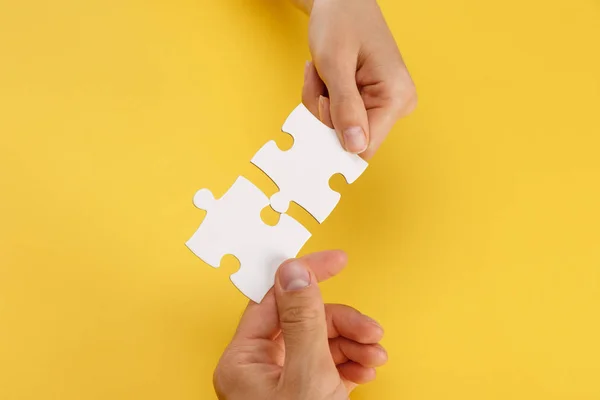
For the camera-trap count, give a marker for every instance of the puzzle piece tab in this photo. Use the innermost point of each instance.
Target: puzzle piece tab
(233, 226)
(303, 172)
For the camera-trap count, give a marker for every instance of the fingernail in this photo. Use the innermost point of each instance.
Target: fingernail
(294, 276)
(306, 67)
(355, 140)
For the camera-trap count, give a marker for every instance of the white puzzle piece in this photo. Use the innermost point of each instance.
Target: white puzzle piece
(302, 173)
(233, 226)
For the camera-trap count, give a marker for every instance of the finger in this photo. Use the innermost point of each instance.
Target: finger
(348, 322)
(313, 88)
(260, 319)
(302, 321)
(368, 355)
(325, 111)
(386, 106)
(356, 373)
(326, 264)
(381, 121)
(345, 321)
(348, 112)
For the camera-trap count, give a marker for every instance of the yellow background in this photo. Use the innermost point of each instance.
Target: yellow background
(474, 236)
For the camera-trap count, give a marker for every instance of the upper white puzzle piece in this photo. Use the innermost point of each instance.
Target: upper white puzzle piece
(233, 226)
(303, 172)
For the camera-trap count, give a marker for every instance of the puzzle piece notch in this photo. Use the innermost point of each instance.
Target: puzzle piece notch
(233, 226)
(302, 173)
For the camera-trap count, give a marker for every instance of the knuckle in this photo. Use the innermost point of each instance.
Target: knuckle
(324, 58)
(403, 94)
(346, 97)
(226, 372)
(299, 318)
(330, 64)
(221, 381)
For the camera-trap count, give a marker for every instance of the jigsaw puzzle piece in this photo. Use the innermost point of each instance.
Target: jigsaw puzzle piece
(264, 255)
(302, 173)
(239, 207)
(233, 226)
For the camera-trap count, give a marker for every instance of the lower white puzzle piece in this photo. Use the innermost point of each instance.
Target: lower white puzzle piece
(302, 173)
(233, 226)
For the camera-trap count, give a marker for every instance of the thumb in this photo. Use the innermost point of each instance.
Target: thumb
(348, 112)
(302, 321)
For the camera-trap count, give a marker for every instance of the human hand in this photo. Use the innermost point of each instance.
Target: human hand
(293, 347)
(357, 82)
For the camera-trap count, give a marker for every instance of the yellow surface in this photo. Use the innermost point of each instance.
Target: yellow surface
(474, 237)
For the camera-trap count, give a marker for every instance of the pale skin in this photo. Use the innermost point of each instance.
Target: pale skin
(357, 81)
(291, 346)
